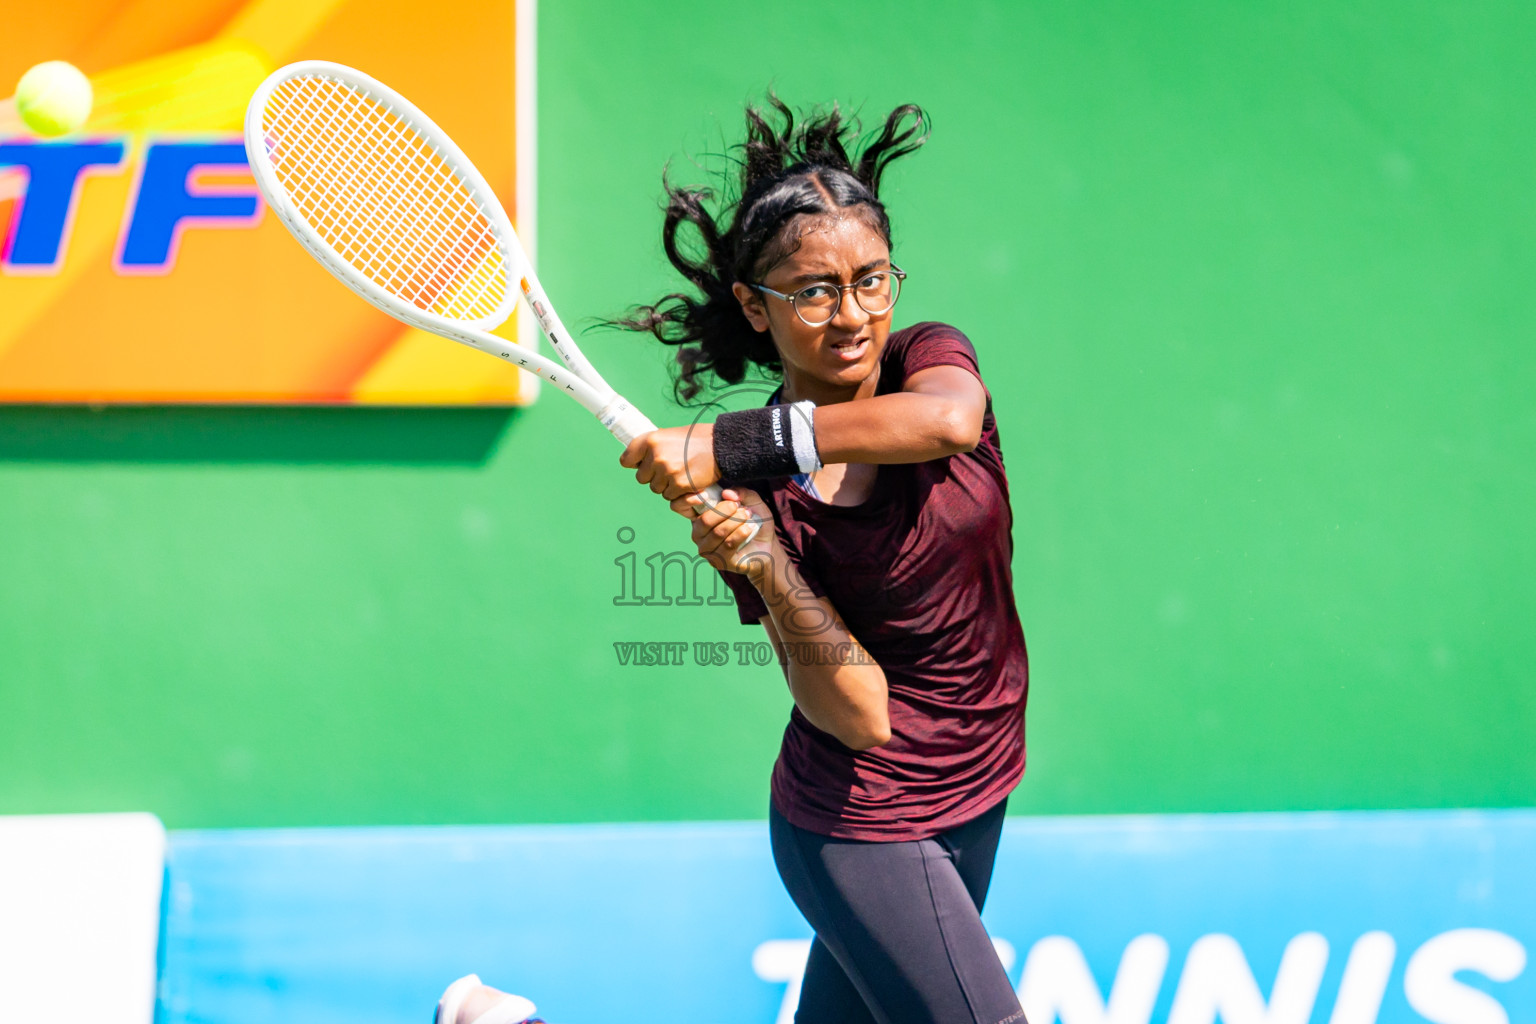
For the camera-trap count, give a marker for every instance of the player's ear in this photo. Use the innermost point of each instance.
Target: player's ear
(751, 306)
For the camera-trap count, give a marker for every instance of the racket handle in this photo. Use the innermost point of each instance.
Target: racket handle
(626, 423)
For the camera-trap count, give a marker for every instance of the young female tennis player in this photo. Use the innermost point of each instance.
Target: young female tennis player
(881, 568)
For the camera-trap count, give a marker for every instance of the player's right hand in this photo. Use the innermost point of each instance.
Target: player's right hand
(674, 460)
(722, 530)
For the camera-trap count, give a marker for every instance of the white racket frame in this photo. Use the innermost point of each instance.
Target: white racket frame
(578, 378)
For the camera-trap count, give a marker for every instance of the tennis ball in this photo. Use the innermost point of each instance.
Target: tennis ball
(53, 98)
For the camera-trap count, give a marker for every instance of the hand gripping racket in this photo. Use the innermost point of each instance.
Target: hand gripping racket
(386, 202)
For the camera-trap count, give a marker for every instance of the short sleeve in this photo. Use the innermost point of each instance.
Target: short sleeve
(749, 603)
(930, 344)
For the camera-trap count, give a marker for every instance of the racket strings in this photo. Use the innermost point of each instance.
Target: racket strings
(408, 278)
(346, 183)
(384, 199)
(412, 191)
(401, 205)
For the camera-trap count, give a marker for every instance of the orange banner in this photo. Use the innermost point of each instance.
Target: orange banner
(137, 261)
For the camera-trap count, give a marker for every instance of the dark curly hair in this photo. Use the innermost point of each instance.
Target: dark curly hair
(817, 166)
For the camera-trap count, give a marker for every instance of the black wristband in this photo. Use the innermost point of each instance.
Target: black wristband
(755, 444)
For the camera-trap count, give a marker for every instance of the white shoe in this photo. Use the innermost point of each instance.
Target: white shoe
(511, 1010)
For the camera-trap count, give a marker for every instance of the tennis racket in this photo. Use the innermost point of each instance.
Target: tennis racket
(380, 195)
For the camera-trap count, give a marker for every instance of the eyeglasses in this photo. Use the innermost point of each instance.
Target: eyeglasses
(819, 302)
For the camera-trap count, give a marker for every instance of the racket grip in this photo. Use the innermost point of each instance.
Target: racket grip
(624, 421)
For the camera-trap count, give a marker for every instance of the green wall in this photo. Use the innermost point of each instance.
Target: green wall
(1252, 285)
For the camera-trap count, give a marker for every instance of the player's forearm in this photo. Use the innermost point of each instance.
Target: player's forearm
(847, 701)
(902, 427)
(836, 685)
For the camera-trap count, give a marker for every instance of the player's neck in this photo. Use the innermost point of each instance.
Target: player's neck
(799, 388)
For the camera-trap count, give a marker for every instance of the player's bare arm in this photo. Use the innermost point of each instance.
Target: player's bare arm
(938, 412)
(843, 694)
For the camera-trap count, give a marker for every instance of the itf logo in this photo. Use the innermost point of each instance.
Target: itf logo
(172, 189)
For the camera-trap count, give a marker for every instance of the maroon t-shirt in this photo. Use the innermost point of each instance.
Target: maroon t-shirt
(920, 573)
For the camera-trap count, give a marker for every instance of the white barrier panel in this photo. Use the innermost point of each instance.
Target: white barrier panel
(80, 917)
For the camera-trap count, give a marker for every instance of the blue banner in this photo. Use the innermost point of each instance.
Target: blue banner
(1348, 918)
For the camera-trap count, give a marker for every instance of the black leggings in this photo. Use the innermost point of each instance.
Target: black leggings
(899, 938)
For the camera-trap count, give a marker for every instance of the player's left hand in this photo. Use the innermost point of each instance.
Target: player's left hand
(674, 461)
(734, 533)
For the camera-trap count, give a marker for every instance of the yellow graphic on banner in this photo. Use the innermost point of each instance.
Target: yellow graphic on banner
(136, 263)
